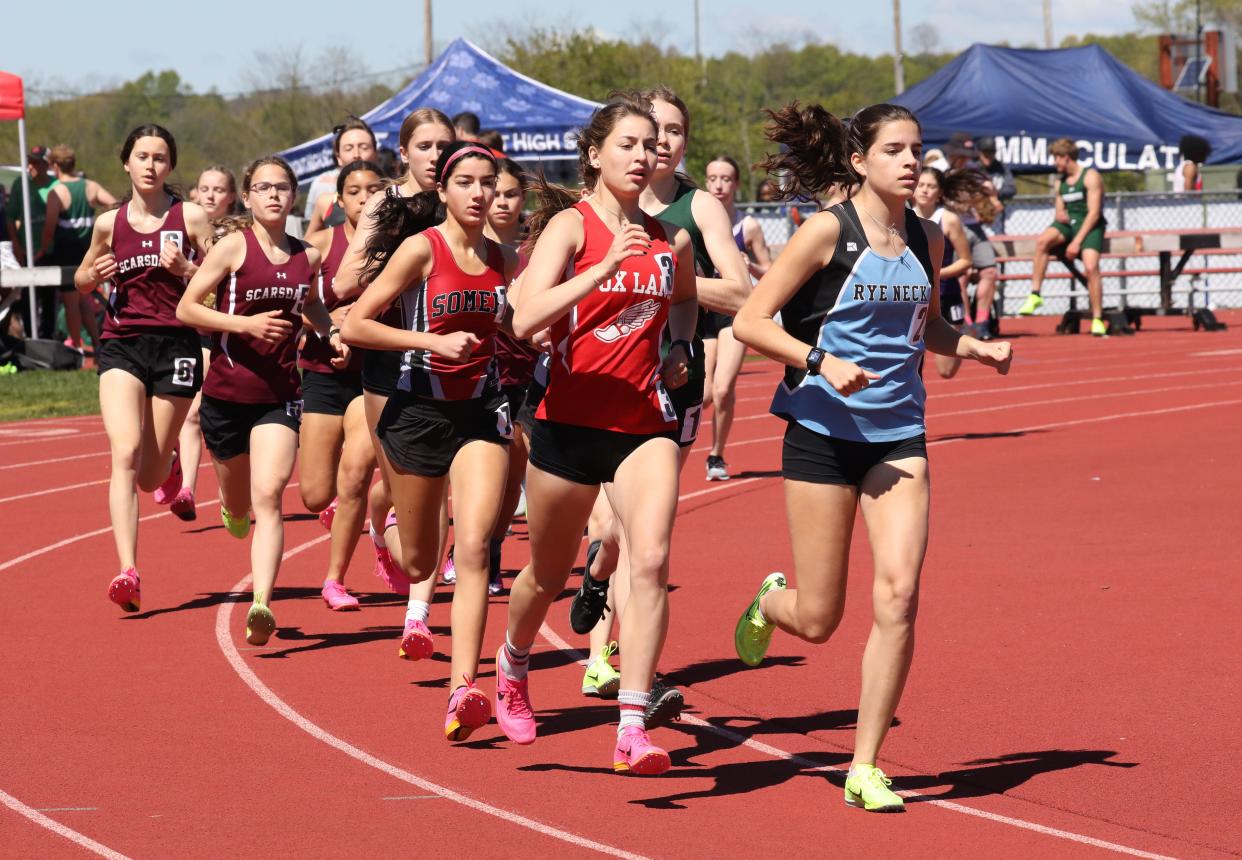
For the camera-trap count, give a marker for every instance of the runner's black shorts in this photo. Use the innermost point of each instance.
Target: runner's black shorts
(380, 371)
(168, 362)
(951, 304)
(530, 404)
(584, 455)
(713, 323)
(227, 425)
(819, 459)
(329, 393)
(421, 436)
(515, 396)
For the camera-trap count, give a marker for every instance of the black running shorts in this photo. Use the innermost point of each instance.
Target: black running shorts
(227, 425)
(329, 393)
(584, 455)
(168, 363)
(688, 404)
(818, 459)
(421, 436)
(713, 323)
(380, 371)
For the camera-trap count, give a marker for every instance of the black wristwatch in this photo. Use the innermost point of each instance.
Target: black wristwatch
(684, 344)
(814, 359)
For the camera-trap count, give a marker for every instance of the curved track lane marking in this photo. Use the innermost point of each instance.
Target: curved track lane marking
(53, 460)
(225, 641)
(72, 434)
(34, 493)
(59, 829)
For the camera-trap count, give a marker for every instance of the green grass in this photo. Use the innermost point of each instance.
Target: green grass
(48, 394)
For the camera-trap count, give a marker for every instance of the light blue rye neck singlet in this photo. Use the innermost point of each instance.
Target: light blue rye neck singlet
(871, 310)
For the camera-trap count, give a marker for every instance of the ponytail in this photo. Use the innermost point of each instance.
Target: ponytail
(396, 219)
(549, 200)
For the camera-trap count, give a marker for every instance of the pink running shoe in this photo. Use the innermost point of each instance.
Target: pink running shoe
(637, 755)
(337, 598)
(124, 590)
(513, 710)
(417, 642)
(183, 507)
(448, 573)
(468, 709)
(387, 570)
(327, 515)
(167, 491)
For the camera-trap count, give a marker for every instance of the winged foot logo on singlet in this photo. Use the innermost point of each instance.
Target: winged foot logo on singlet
(628, 321)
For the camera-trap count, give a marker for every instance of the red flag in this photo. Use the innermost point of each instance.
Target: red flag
(12, 99)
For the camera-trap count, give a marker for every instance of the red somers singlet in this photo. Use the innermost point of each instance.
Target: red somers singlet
(316, 352)
(144, 293)
(244, 369)
(449, 301)
(607, 348)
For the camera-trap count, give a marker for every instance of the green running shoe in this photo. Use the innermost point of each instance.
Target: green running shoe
(751, 636)
(867, 787)
(601, 679)
(238, 527)
(1034, 301)
(260, 624)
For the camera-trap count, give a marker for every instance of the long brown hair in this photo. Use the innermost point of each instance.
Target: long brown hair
(816, 146)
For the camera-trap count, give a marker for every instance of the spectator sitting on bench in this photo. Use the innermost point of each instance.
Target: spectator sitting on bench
(1080, 223)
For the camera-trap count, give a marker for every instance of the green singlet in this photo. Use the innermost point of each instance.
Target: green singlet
(1074, 195)
(678, 214)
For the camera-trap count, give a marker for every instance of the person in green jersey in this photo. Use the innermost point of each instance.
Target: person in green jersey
(1080, 223)
(71, 205)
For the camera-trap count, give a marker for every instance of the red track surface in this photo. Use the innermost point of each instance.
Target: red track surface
(1074, 690)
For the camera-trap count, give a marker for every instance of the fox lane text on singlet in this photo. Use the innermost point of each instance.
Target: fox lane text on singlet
(317, 352)
(452, 301)
(144, 293)
(604, 371)
(870, 310)
(249, 370)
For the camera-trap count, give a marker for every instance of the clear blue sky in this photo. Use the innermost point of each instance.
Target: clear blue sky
(214, 44)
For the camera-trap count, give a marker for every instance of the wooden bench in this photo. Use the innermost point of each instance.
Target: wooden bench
(1128, 244)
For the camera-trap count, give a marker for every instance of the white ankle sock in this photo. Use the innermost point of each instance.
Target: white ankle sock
(417, 610)
(514, 661)
(376, 537)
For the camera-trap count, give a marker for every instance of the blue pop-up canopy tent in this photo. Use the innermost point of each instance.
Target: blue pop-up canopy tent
(537, 121)
(1029, 98)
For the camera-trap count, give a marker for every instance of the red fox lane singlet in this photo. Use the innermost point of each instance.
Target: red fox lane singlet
(604, 371)
(144, 293)
(317, 353)
(247, 370)
(451, 301)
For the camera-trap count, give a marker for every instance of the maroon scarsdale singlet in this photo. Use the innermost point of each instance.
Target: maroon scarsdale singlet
(144, 293)
(606, 359)
(451, 301)
(515, 359)
(317, 352)
(247, 370)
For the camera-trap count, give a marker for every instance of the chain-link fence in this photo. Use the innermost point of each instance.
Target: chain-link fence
(1135, 211)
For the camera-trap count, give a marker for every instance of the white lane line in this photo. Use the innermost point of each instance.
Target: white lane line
(225, 641)
(1218, 352)
(53, 460)
(34, 493)
(59, 829)
(1031, 429)
(776, 752)
(75, 435)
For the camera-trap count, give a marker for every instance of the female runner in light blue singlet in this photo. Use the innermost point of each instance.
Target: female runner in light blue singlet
(854, 289)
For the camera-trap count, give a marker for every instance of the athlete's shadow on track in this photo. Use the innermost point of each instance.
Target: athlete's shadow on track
(711, 670)
(971, 437)
(1003, 773)
(215, 598)
(218, 526)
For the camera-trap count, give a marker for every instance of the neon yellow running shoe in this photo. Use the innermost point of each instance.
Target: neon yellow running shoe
(601, 679)
(1034, 301)
(866, 787)
(1099, 328)
(238, 527)
(752, 634)
(260, 624)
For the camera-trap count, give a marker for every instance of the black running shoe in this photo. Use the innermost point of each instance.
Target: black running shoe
(665, 704)
(591, 600)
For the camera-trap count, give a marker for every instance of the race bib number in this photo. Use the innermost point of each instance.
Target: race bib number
(300, 301)
(666, 402)
(175, 236)
(504, 422)
(183, 371)
(919, 323)
(665, 262)
(956, 314)
(293, 409)
(690, 426)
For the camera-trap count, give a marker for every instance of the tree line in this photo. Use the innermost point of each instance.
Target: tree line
(286, 105)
